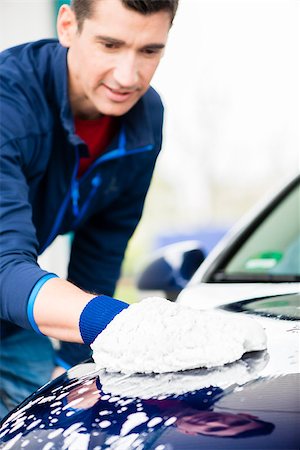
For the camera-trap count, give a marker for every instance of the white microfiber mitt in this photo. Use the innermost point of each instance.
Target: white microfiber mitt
(159, 336)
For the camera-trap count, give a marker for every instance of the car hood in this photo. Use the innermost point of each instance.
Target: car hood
(252, 403)
(107, 412)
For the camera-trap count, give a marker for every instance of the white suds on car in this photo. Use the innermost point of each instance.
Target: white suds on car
(158, 336)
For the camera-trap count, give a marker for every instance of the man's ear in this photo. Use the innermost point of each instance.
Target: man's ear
(66, 25)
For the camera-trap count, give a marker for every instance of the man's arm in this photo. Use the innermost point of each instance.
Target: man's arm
(57, 309)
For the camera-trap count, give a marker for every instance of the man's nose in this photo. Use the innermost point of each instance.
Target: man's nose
(126, 72)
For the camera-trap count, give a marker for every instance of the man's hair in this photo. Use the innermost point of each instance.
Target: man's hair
(84, 8)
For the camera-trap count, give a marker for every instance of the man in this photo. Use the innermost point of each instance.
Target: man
(80, 132)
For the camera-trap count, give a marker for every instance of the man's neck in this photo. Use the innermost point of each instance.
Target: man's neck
(81, 107)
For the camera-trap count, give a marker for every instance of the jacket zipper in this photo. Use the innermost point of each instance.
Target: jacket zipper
(75, 197)
(96, 181)
(73, 192)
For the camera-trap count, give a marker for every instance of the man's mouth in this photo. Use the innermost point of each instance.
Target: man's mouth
(118, 95)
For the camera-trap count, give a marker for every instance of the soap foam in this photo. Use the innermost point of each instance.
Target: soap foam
(145, 386)
(158, 336)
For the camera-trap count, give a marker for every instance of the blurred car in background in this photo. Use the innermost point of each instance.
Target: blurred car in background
(250, 404)
(171, 268)
(261, 252)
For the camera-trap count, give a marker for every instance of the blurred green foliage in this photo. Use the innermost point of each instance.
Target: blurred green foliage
(127, 291)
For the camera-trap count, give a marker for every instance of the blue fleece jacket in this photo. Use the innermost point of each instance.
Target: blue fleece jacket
(41, 196)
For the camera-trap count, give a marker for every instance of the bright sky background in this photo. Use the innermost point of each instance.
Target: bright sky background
(230, 82)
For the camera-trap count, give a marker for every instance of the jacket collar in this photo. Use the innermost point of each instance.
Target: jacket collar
(136, 123)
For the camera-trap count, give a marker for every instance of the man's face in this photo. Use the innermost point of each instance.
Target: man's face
(112, 59)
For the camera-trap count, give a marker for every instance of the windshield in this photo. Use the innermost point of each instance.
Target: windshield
(272, 251)
(284, 307)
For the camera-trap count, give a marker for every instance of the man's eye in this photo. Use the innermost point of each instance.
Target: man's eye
(152, 51)
(109, 45)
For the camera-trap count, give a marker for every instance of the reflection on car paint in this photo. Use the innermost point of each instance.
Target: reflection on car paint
(135, 411)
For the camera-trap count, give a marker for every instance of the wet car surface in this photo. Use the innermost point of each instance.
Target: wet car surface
(253, 403)
(250, 404)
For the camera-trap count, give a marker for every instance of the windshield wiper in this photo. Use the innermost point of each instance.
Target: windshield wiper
(220, 277)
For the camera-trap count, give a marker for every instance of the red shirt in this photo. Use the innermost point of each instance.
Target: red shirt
(97, 134)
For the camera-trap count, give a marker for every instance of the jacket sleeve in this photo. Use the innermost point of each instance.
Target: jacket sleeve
(19, 139)
(19, 270)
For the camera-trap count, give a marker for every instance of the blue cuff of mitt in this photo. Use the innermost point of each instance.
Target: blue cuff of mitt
(97, 314)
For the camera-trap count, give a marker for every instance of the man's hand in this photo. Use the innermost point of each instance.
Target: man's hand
(156, 336)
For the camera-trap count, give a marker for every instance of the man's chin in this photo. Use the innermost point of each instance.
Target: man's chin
(117, 109)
